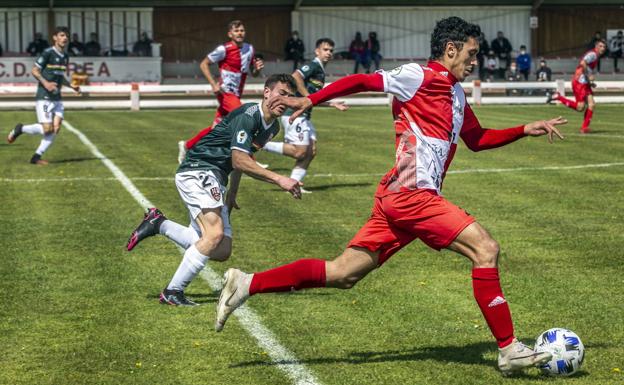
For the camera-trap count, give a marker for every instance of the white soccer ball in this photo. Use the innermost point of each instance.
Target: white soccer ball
(566, 348)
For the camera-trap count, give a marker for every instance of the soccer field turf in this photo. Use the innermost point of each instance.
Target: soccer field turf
(78, 309)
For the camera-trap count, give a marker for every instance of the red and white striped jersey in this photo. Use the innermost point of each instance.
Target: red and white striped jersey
(591, 58)
(234, 65)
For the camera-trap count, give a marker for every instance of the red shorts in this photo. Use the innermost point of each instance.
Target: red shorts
(581, 91)
(227, 103)
(398, 219)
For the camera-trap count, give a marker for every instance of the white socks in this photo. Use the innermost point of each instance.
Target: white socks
(192, 263)
(45, 142)
(274, 147)
(298, 173)
(183, 236)
(33, 129)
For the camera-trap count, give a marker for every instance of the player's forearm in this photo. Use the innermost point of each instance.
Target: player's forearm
(36, 73)
(300, 84)
(235, 178)
(205, 69)
(348, 85)
(485, 139)
(246, 164)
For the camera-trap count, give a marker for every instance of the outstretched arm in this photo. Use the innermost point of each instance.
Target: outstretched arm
(243, 162)
(346, 86)
(478, 138)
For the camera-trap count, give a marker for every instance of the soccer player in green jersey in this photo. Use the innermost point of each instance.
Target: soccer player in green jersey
(49, 70)
(224, 152)
(300, 135)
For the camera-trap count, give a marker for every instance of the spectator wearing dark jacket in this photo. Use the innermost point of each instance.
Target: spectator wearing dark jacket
(372, 51)
(294, 50)
(93, 47)
(502, 48)
(543, 73)
(75, 48)
(37, 46)
(1, 52)
(357, 50)
(143, 46)
(484, 48)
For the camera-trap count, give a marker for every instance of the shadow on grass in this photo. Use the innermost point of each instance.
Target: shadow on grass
(74, 160)
(335, 186)
(200, 298)
(468, 354)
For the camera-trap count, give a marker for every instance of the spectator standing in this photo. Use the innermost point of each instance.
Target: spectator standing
(615, 48)
(372, 51)
(93, 47)
(543, 73)
(491, 66)
(143, 46)
(294, 49)
(484, 48)
(502, 48)
(524, 62)
(37, 46)
(75, 48)
(592, 43)
(357, 50)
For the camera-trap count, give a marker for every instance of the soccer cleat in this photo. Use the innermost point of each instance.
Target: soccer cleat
(304, 191)
(585, 130)
(181, 151)
(263, 165)
(14, 133)
(234, 293)
(149, 226)
(36, 159)
(175, 298)
(517, 356)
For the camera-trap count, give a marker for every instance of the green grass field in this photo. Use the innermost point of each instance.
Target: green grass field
(78, 309)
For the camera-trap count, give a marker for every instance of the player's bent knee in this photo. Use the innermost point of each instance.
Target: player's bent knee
(208, 242)
(300, 153)
(48, 128)
(347, 281)
(487, 253)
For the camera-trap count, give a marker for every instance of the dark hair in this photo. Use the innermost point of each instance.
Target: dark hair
(325, 40)
(234, 24)
(281, 78)
(452, 29)
(603, 41)
(58, 30)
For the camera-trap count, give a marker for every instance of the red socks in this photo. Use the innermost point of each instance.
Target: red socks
(489, 296)
(588, 115)
(567, 102)
(301, 274)
(191, 142)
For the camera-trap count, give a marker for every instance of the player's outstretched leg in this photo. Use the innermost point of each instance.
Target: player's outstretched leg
(517, 356)
(175, 298)
(15, 133)
(149, 226)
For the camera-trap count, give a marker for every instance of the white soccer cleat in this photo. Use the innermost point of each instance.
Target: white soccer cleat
(181, 151)
(304, 191)
(234, 293)
(263, 165)
(517, 356)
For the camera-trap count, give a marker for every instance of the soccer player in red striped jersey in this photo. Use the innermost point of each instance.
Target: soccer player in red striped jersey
(431, 114)
(582, 83)
(235, 60)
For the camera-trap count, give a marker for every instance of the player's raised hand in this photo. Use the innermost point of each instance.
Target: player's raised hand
(545, 127)
(299, 105)
(291, 185)
(340, 105)
(50, 86)
(258, 64)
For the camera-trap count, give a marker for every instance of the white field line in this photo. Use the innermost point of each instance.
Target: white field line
(285, 360)
(466, 171)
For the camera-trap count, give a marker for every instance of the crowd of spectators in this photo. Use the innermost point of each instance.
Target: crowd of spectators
(366, 52)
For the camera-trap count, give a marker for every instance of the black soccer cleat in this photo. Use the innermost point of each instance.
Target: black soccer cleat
(175, 298)
(14, 133)
(149, 226)
(36, 159)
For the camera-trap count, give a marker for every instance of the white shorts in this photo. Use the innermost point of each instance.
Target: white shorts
(47, 109)
(300, 132)
(201, 190)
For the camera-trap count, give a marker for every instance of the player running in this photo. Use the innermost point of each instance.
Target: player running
(431, 114)
(225, 151)
(235, 59)
(582, 84)
(300, 135)
(49, 70)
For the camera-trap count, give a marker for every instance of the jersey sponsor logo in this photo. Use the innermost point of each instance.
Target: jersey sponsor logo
(216, 193)
(241, 137)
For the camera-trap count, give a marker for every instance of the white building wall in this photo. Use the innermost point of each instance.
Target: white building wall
(404, 32)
